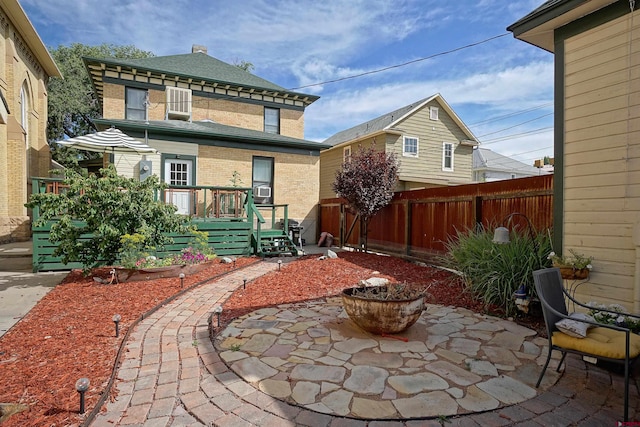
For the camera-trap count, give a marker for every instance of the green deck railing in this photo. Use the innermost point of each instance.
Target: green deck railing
(234, 223)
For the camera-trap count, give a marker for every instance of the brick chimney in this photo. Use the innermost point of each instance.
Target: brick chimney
(198, 48)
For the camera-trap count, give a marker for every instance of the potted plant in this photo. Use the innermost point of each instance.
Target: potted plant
(572, 267)
(386, 309)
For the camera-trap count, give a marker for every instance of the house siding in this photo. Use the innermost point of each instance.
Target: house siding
(423, 171)
(602, 156)
(432, 134)
(331, 161)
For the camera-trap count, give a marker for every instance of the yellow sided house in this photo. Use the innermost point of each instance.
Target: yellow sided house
(596, 47)
(25, 68)
(433, 145)
(212, 124)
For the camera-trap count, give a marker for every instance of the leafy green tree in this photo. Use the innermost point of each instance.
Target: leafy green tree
(366, 181)
(244, 65)
(72, 102)
(105, 208)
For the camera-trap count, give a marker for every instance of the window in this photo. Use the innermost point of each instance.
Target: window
(24, 108)
(447, 156)
(271, 120)
(135, 100)
(346, 154)
(177, 172)
(263, 180)
(409, 146)
(433, 113)
(178, 102)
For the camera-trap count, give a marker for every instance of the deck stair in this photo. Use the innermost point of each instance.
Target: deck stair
(274, 243)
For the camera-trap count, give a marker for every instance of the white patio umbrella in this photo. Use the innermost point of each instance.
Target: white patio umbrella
(108, 141)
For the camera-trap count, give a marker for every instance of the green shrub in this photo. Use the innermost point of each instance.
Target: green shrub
(106, 207)
(494, 272)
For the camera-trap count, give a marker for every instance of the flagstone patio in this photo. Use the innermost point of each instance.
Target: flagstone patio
(452, 361)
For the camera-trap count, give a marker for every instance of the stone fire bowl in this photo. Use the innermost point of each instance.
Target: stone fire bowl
(381, 316)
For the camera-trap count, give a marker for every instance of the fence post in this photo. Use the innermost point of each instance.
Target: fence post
(408, 217)
(477, 209)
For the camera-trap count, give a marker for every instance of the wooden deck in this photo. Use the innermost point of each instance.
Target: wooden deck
(236, 226)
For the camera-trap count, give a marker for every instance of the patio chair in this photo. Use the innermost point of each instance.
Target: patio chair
(605, 342)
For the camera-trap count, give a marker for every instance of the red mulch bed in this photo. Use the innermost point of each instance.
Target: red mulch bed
(70, 333)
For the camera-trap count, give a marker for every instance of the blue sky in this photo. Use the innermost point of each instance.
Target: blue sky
(502, 89)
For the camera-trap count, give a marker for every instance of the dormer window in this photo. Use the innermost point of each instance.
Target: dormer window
(178, 103)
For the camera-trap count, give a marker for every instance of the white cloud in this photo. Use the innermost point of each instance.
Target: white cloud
(299, 42)
(512, 89)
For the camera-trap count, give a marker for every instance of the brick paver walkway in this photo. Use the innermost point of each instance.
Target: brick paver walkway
(172, 376)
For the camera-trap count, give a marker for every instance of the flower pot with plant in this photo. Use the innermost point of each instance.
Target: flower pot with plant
(384, 309)
(575, 266)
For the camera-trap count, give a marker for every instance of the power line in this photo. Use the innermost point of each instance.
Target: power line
(515, 126)
(517, 135)
(379, 70)
(515, 113)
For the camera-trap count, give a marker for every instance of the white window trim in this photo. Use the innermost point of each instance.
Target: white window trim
(444, 153)
(409, 154)
(346, 154)
(433, 113)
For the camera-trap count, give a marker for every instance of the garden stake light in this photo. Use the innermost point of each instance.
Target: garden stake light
(244, 283)
(116, 320)
(82, 385)
(218, 312)
(234, 263)
(181, 280)
(279, 264)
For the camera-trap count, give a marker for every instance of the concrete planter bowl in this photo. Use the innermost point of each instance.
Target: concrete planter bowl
(377, 315)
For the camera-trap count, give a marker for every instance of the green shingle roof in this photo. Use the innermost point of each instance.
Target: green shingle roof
(208, 130)
(201, 66)
(197, 66)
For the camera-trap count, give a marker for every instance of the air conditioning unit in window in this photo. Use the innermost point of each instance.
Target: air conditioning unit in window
(262, 191)
(178, 102)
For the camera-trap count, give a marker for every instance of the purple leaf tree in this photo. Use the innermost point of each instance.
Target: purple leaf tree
(366, 181)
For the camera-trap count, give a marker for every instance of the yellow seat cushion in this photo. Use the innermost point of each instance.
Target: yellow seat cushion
(599, 342)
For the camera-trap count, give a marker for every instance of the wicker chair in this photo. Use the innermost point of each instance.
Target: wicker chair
(605, 342)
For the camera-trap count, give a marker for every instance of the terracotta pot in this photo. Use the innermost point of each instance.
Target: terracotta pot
(382, 316)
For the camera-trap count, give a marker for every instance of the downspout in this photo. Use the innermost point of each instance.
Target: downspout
(636, 273)
(636, 227)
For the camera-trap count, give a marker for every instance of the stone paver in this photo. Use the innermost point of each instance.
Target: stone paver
(304, 364)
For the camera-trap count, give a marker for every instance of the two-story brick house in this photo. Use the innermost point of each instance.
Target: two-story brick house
(213, 124)
(434, 147)
(25, 68)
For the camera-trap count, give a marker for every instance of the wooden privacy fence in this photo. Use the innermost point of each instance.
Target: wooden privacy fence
(418, 223)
